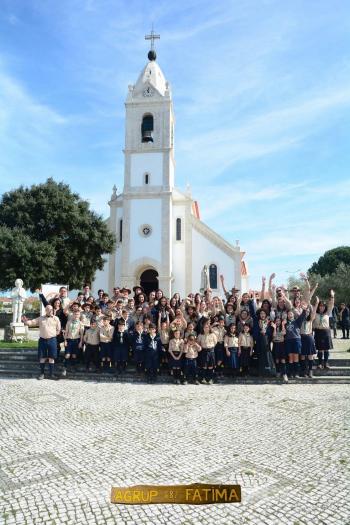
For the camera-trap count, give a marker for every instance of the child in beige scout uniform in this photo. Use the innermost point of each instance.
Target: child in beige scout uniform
(246, 344)
(207, 340)
(231, 349)
(73, 340)
(191, 351)
(106, 335)
(176, 346)
(92, 341)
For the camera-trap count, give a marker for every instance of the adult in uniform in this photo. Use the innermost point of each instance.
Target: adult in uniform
(49, 328)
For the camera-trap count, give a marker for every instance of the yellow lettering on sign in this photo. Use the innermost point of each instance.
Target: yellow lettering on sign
(234, 496)
(197, 495)
(221, 495)
(153, 494)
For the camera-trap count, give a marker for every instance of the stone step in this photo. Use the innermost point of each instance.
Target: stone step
(33, 365)
(129, 378)
(31, 356)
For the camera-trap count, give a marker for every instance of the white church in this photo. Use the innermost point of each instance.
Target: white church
(161, 240)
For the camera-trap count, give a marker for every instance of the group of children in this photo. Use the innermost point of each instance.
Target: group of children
(198, 339)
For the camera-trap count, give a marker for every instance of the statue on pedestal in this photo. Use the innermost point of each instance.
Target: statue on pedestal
(18, 295)
(205, 281)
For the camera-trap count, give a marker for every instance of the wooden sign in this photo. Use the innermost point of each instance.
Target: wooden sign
(194, 494)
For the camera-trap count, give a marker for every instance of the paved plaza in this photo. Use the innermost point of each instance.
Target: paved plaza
(64, 444)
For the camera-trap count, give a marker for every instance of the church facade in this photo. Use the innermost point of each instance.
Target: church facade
(161, 240)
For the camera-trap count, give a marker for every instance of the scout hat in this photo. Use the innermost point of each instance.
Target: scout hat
(138, 287)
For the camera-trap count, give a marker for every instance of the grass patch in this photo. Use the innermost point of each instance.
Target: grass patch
(13, 346)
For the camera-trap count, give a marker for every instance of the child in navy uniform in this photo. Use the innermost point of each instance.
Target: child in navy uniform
(219, 330)
(152, 351)
(292, 340)
(120, 347)
(137, 343)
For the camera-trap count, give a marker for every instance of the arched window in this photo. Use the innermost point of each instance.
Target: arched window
(213, 276)
(147, 178)
(120, 230)
(178, 229)
(147, 128)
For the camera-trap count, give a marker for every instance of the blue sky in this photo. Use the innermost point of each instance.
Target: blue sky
(261, 93)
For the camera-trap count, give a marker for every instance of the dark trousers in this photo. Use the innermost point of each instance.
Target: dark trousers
(191, 368)
(151, 362)
(92, 356)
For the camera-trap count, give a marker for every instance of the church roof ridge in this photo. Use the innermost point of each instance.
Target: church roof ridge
(214, 237)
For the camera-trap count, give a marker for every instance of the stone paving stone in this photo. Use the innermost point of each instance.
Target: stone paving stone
(64, 444)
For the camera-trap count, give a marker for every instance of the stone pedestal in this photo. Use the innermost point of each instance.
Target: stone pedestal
(16, 332)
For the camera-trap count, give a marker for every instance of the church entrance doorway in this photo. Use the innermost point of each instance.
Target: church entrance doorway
(149, 280)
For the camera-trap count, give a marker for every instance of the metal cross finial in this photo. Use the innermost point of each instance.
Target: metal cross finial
(152, 37)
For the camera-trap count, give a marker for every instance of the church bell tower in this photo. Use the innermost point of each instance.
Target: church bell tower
(145, 218)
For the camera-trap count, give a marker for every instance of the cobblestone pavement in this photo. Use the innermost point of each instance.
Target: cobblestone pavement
(64, 444)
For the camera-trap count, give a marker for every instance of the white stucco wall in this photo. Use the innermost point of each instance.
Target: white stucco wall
(101, 279)
(205, 252)
(145, 211)
(142, 163)
(179, 253)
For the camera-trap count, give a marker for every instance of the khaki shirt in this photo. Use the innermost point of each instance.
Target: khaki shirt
(192, 350)
(49, 326)
(106, 333)
(164, 336)
(278, 336)
(207, 340)
(321, 321)
(306, 328)
(74, 329)
(246, 340)
(231, 341)
(92, 336)
(220, 332)
(176, 345)
(85, 318)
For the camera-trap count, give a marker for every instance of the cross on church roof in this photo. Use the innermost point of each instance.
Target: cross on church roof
(152, 37)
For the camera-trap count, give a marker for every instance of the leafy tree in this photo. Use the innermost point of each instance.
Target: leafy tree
(328, 263)
(49, 234)
(339, 281)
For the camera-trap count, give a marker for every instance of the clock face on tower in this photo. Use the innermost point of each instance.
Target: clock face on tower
(145, 230)
(148, 92)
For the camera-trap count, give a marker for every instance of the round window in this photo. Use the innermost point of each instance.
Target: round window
(145, 230)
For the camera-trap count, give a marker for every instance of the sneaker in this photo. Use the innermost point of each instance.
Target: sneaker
(197, 382)
(185, 382)
(64, 372)
(204, 381)
(285, 378)
(311, 375)
(320, 367)
(41, 376)
(210, 382)
(296, 376)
